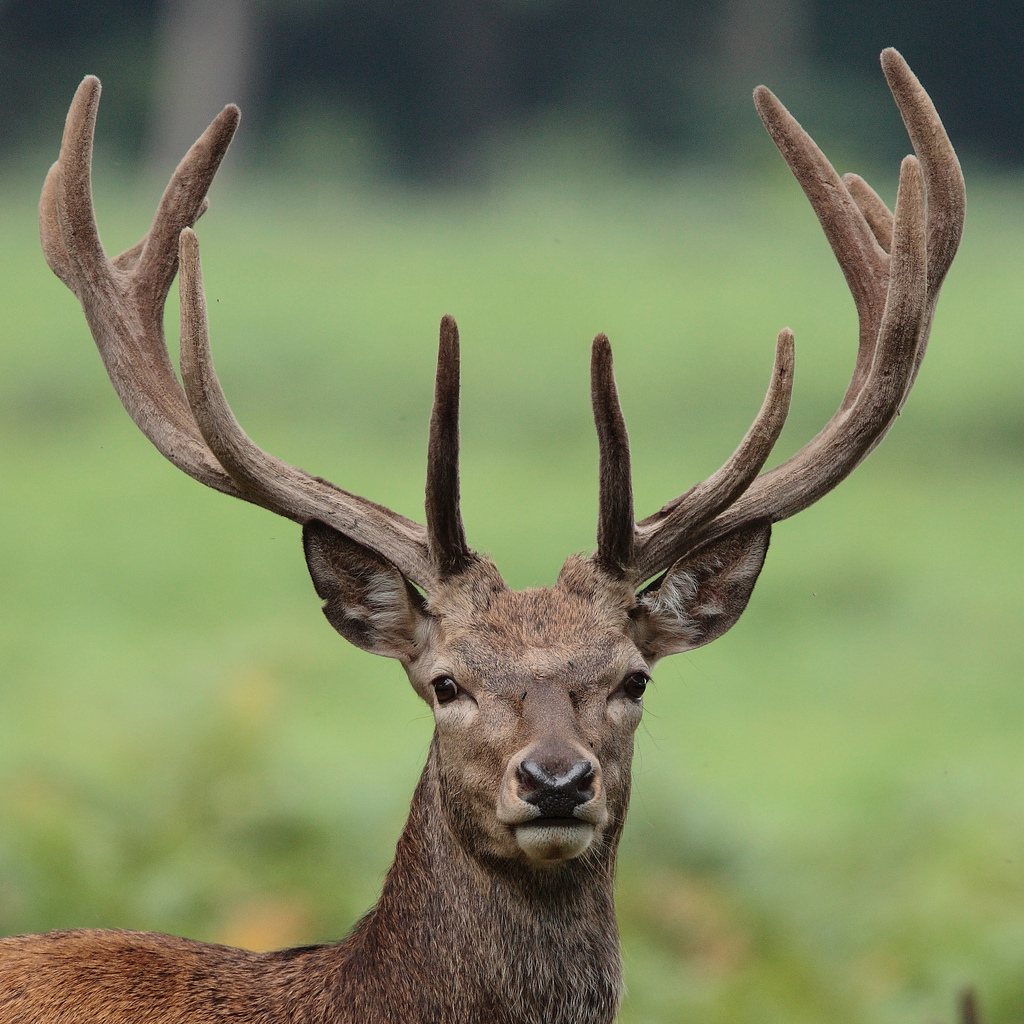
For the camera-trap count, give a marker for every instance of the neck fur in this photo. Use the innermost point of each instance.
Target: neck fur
(454, 938)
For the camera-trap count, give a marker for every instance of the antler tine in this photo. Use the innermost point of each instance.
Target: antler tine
(182, 204)
(268, 481)
(872, 206)
(123, 299)
(944, 180)
(666, 535)
(863, 262)
(449, 551)
(55, 253)
(615, 527)
(944, 183)
(68, 196)
(835, 452)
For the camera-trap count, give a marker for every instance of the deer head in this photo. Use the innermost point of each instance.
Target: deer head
(535, 694)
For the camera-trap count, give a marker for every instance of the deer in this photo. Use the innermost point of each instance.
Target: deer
(498, 907)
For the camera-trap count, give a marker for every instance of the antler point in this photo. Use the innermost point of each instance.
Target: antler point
(785, 350)
(764, 99)
(188, 243)
(230, 116)
(895, 67)
(449, 334)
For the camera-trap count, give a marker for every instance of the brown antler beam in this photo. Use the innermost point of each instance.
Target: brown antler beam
(894, 266)
(123, 298)
(266, 480)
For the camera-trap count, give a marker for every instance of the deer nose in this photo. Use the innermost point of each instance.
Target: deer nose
(556, 796)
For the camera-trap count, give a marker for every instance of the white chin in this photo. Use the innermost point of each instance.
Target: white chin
(549, 843)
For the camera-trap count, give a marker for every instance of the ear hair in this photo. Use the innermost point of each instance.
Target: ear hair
(703, 594)
(366, 599)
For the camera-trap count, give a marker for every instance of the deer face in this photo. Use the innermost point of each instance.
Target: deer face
(536, 694)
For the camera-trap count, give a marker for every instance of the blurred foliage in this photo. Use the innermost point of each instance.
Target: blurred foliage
(826, 823)
(968, 53)
(425, 87)
(45, 50)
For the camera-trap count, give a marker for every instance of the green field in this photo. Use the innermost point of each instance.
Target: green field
(827, 823)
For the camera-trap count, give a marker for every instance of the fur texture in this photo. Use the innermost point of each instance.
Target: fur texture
(473, 925)
(453, 940)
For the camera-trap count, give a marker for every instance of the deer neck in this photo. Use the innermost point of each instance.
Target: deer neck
(479, 941)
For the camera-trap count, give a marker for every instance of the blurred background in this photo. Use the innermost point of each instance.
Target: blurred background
(827, 823)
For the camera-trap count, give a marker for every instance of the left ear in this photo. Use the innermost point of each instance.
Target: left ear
(366, 598)
(702, 595)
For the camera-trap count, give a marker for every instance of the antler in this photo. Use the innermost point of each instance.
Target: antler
(894, 265)
(194, 428)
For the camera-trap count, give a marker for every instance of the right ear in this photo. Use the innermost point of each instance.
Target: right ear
(366, 599)
(703, 594)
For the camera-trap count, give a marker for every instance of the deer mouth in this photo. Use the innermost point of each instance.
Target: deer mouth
(555, 821)
(550, 840)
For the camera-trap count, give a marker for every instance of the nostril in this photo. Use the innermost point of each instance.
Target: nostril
(532, 777)
(534, 781)
(580, 777)
(556, 795)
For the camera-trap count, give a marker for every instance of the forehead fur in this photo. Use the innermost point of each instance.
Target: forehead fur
(585, 612)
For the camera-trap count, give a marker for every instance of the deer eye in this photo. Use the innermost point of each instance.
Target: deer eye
(635, 684)
(446, 689)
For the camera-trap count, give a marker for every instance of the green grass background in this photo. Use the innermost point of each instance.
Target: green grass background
(827, 823)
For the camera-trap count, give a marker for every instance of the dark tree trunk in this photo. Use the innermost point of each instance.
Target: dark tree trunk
(204, 59)
(758, 37)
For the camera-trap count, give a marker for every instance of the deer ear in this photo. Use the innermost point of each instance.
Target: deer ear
(702, 595)
(366, 599)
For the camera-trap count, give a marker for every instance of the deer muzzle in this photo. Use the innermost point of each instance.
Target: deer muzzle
(554, 811)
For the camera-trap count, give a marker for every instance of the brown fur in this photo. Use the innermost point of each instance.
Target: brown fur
(498, 907)
(470, 928)
(452, 940)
